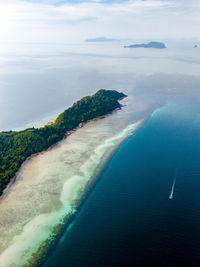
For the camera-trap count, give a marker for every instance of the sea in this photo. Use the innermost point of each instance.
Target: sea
(129, 218)
(143, 208)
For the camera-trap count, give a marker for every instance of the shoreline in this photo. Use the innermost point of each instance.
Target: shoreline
(15, 179)
(99, 141)
(47, 248)
(58, 228)
(22, 144)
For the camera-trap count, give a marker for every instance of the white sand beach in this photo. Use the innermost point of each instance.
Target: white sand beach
(50, 185)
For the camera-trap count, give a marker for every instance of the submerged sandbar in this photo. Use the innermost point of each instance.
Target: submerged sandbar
(17, 146)
(50, 185)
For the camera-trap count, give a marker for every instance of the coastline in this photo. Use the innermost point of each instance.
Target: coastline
(46, 248)
(42, 124)
(104, 150)
(16, 178)
(54, 184)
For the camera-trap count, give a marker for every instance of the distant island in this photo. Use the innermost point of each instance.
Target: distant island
(102, 39)
(157, 45)
(16, 147)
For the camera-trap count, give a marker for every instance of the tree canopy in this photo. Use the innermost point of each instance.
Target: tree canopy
(16, 147)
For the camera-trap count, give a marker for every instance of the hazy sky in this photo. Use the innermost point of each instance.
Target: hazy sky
(76, 20)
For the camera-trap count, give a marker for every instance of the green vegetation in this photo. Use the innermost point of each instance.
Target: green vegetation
(16, 147)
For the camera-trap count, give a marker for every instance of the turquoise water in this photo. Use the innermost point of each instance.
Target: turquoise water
(128, 218)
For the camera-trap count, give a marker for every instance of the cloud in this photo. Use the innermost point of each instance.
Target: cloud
(71, 21)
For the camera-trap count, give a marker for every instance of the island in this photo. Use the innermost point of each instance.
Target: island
(17, 146)
(102, 39)
(157, 45)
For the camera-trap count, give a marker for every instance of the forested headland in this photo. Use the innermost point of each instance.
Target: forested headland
(16, 147)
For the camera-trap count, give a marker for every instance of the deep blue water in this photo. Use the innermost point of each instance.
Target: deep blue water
(128, 218)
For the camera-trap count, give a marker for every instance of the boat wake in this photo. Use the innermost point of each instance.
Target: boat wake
(172, 190)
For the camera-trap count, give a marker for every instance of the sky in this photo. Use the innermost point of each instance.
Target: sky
(72, 21)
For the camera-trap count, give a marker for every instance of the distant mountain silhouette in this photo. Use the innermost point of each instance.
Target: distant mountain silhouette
(157, 45)
(102, 39)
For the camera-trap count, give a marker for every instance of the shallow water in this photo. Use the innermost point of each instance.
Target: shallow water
(128, 218)
(39, 81)
(52, 77)
(51, 184)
